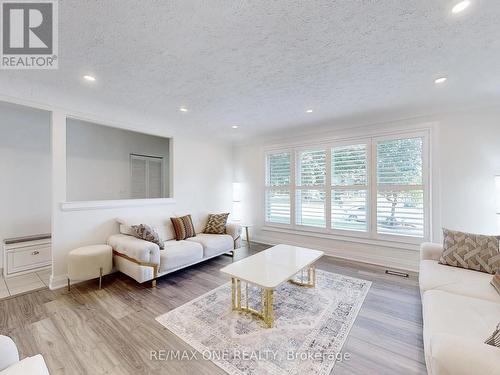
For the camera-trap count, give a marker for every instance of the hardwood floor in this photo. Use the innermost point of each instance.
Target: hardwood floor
(113, 330)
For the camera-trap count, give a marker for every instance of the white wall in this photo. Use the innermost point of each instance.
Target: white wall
(25, 187)
(98, 160)
(465, 159)
(202, 180)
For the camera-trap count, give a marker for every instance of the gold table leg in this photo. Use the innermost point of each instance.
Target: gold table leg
(311, 278)
(266, 313)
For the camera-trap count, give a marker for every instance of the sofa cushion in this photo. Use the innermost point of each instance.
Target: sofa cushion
(471, 251)
(435, 276)
(178, 254)
(457, 315)
(453, 355)
(163, 226)
(214, 244)
(31, 365)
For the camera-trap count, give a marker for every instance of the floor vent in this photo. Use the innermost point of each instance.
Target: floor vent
(396, 273)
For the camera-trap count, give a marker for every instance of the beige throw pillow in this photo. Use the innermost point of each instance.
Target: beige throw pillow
(494, 339)
(471, 251)
(147, 233)
(216, 224)
(496, 281)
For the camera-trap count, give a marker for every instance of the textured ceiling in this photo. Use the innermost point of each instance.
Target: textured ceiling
(260, 64)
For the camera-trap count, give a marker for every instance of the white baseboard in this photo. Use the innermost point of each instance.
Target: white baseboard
(365, 257)
(58, 282)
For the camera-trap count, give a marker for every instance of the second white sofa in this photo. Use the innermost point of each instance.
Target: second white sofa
(144, 261)
(460, 311)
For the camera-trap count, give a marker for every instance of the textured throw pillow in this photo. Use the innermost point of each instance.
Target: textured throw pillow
(147, 233)
(496, 281)
(183, 227)
(216, 224)
(471, 251)
(494, 339)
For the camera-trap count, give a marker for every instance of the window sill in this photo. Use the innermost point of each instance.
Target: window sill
(412, 244)
(99, 205)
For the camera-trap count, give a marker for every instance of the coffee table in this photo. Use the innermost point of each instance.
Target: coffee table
(268, 270)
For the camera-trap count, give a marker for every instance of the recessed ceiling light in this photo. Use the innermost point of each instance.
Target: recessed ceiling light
(235, 126)
(309, 111)
(182, 109)
(89, 78)
(460, 7)
(440, 80)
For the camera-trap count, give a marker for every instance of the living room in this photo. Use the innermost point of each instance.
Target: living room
(250, 187)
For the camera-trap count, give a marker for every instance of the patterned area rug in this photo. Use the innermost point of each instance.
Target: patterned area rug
(311, 326)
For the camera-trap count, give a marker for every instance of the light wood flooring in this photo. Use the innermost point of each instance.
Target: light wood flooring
(113, 330)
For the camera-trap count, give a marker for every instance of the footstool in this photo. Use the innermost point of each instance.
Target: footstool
(90, 262)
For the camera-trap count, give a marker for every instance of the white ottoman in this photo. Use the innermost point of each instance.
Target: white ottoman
(90, 262)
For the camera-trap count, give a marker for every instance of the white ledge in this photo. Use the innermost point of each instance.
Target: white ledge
(99, 205)
(404, 244)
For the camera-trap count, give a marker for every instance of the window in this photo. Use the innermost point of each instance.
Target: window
(310, 188)
(146, 176)
(349, 188)
(278, 178)
(400, 190)
(374, 188)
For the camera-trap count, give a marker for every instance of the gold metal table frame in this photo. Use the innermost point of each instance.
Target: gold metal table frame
(267, 312)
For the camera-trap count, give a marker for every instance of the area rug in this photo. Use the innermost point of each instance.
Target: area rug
(311, 326)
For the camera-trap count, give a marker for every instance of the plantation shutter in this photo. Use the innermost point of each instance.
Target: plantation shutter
(400, 190)
(138, 178)
(155, 178)
(310, 194)
(278, 176)
(349, 188)
(146, 176)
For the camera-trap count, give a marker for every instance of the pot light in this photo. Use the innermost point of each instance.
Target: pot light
(89, 78)
(440, 80)
(460, 7)
(235, 126)
(182, 109)
(309, 111)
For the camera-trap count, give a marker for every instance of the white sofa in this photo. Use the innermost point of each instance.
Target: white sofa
(144, 261)
(11, 365)
(460, 311)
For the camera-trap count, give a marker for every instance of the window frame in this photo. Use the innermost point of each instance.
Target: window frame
(371, 142)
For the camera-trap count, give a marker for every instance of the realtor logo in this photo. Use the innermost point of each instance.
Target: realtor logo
(29, 34)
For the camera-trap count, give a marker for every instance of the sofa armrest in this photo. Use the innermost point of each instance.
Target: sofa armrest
(8, 352)
(234, 230)
(135, 248)
(454, 355)
(430, 251)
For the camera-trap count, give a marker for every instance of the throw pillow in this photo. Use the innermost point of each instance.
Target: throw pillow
(471, 251)
(494, 339)
(147, 233)
(496, 281)
(183, 227)
(216, 224)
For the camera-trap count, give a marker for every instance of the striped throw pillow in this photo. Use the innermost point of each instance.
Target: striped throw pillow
(216, 224)
(183, 227)
(494, 339)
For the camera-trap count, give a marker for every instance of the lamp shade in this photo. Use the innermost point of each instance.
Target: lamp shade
(236, 192)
